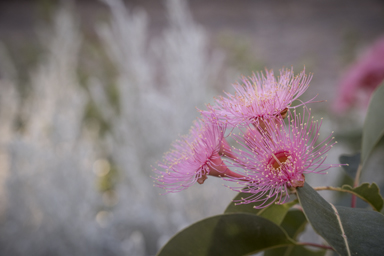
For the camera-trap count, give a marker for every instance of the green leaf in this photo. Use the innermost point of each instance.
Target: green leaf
(276, 212)
(294, 223)
(369, 193)
(353, 162)
(273, 212)
(374, 123)
(293, 250)
(244, 208)
(350, 231)
(227, 234)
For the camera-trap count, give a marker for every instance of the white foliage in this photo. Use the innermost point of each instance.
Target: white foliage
(51, 197)
(9, 102)
(9, 99)
(53, 206)
(188, 70)
(160, 84)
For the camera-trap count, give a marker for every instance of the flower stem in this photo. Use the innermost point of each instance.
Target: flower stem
(317, 245)
(356, 183)
(357, 177)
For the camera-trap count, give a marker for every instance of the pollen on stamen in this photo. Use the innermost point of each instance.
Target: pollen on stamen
(280, 162)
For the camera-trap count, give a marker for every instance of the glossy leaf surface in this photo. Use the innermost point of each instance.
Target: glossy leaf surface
(368, 192)
(293, 250)
(349, 231)
(276, 212)
(227, 234)
(294, 223)
(244, 208)
(273, 212)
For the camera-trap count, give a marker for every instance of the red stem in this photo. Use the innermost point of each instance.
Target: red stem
(355, 184)
(318, 245)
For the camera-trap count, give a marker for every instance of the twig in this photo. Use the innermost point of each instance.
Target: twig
(356, 183)
(317, 245)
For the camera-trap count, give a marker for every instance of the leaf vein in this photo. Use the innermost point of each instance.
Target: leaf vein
(341, 228)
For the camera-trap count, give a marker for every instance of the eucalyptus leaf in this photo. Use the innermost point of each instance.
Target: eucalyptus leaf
(227, 234)
(294, 223)
(353, 162)
(368, 192)
(374, 124)
(273, 212)
(293, 250)
(276, 212)
(349, 231)
(244, 208)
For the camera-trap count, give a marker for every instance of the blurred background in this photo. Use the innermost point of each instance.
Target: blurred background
(92, 94)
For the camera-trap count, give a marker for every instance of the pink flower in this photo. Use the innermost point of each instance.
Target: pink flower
(260, 97)
(361, 79)
(277, 157)
(193, 157)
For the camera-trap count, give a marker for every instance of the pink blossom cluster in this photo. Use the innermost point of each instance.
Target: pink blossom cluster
(361, 78)
(275, 146)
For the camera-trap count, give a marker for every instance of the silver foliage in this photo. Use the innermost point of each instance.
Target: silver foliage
(153, 111)
(51, 203)
(50, 194)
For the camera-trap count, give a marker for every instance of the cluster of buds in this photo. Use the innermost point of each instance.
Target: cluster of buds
(276, 145)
